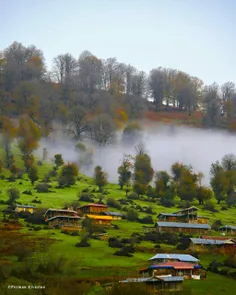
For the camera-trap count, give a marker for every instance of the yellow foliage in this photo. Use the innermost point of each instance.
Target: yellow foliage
(29, 135)
(121, 118)
(8, 128)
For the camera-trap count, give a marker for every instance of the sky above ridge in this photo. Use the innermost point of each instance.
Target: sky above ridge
(189, 35)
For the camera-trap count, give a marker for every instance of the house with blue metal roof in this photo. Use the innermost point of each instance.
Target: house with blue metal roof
(182, 227)
(189, 215)
(225, 246)
(166, 257)
(228, 229)
(173, 268)
(158, 283)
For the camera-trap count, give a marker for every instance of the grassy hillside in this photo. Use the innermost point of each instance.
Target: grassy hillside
(98, 261)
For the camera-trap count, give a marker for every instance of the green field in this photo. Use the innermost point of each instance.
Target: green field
(98, 260)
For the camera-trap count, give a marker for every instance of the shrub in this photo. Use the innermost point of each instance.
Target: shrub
(151, 193)
(132, 196)
(132, 215)
(86, 197)
(37, 217)
(114, 243)
(52, 173)
(224, 208)
(74, 205)
(146, 220)
(111, 202)
(157, 246)
(84, 242)
(216, 224)
(42, 188)
(167, 202)
(85, 190)
(13, 195)
(68, 175)
(149, 210)
(125, 251)
(214, 265)
(36, 201)
(209, 206)
(27, 192)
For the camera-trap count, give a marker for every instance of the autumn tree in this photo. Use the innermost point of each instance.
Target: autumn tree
(13, 195)
(177, 169)
(143, 171)
(228, 162)
(28, 139)
(68, 175)
(102, 129)
(8, 134)
(100, 177)
(33, 174)
(187, 189)
(203, 194)
(162, 183)
(58, 160)
(125, 171)
(219, 184)
(78, 125)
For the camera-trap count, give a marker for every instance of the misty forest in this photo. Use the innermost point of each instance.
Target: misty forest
(89, 130)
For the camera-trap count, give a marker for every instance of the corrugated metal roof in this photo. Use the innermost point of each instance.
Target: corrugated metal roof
(172, 279)
(233, 227)
(61, 216)
(215, 238)
(94, 205)
(180, 257)
(114, 214)
(183, 225)
(153, 279)
(60, 210)
(170, 214)
(25, 206)
(210, 241)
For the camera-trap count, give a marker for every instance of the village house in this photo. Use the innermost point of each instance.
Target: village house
(228, 229)
(158, 284)
(114, 215)
(188, 215)
(25, 208)
(173, 268)
(222, 245)
(59, 212)
(71, 222)
(181, 227)
(169, 257)
(92, 209)
(100, 219)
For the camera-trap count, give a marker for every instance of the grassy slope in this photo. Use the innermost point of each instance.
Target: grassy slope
(98, 260)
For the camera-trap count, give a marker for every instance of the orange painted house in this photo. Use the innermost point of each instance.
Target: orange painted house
(92, 209)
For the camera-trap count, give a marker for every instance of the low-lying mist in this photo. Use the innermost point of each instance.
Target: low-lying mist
(165, 145)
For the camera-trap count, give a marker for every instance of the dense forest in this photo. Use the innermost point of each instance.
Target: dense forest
(92, 97)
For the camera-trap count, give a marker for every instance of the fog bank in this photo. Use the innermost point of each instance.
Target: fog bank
(165, 145)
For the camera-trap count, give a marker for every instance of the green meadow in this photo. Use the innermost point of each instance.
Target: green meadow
(98, 261)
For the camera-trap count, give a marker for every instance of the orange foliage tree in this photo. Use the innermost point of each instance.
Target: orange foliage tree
(28, 140)
(8, 135)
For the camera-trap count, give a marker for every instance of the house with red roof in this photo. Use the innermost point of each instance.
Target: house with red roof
(175, 268)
